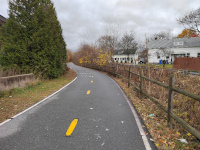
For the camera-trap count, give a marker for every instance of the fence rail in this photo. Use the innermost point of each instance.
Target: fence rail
(170, 87)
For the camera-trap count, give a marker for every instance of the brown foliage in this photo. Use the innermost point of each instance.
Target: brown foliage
(86, 53)
(187, 33)
(186, 108)
(69, 56)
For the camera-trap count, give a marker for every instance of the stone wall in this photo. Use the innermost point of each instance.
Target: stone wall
(10, 82)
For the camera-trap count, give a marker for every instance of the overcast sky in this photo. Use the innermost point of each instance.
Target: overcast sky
(87, 19)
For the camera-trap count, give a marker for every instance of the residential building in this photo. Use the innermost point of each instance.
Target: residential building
(168, 49)
(121, 56)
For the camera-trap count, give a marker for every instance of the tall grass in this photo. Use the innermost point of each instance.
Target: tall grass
(185, 107)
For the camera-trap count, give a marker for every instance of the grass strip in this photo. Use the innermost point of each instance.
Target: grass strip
(18, 99)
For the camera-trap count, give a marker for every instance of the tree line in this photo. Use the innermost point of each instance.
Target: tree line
(32, 39)
(103, 48)
(116, 39)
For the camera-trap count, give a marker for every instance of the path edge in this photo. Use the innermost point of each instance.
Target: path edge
(141, 130)
(36, 104)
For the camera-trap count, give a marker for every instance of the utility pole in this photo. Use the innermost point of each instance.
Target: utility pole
(147, 51)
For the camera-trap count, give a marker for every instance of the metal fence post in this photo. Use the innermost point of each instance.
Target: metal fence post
(170, 100)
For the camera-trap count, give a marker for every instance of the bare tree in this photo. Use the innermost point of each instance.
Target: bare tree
(141, 45)
(112, 36)
(128, 43)
(106, 42)
(191, 20)
(143, 56)
(161, 35)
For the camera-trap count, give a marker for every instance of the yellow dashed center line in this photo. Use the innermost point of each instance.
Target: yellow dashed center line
(91, 81)
(92, 76)
(71, 127)
(88, 92)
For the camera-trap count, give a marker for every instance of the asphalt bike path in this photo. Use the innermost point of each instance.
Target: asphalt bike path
(104, 119)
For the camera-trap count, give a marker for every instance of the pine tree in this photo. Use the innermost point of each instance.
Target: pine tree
(32, 38)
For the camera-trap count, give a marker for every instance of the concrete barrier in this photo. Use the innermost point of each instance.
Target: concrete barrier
(10, 82)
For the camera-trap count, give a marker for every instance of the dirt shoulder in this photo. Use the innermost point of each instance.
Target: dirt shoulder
(162, 135)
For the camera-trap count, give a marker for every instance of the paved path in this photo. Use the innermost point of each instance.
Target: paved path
(105, 119)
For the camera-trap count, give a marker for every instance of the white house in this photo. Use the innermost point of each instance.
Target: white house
(168, 49)
(121, 56)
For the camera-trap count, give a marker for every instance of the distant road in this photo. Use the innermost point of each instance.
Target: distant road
(105, 119)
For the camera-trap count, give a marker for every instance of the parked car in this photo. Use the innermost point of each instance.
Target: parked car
(141, 61)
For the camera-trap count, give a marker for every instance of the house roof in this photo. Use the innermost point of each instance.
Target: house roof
(175, 43)
(2, 18)
(121, 51)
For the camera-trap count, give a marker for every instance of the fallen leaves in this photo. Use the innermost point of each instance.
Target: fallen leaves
(162, 135)
(189, 134)
(178, 133)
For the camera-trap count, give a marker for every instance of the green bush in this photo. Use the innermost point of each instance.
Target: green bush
(33, 40)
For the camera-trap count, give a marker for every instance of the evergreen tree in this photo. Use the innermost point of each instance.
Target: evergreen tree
(32, 38)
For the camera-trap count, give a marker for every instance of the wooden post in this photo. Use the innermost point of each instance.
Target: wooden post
(170, 100)
(124, 71)
(141, 82)
(113, 68)
(149, 69)
(129, 73)
(100, 67)
(117, 70)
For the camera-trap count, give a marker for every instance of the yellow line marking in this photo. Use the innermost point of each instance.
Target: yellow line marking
(91, 81)
(88, 92)
(92, 76)
(71, 127)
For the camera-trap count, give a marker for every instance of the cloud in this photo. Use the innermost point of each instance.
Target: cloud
(4, 8)
(85, 20)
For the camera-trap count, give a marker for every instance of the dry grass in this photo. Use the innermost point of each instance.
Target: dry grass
(186, 108)
(17, 100)
(163, 136)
